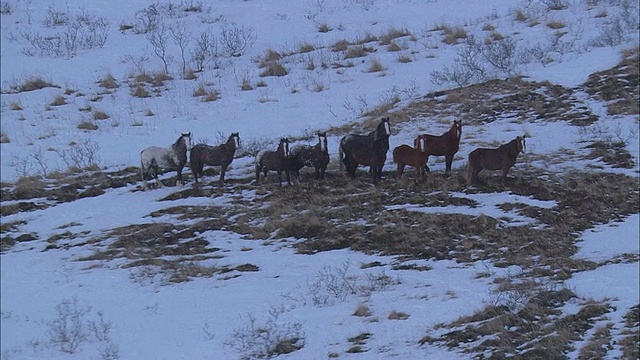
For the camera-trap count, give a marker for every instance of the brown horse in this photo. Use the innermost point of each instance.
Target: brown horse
(274, 160)
(221, 155)
(446, 145)
(406, 155)
(368, 150)
(312, 156)
(502, 158)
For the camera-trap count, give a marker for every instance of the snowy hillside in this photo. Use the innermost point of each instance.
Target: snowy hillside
(544, 265)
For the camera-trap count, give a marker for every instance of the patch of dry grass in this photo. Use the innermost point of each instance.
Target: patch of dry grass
(31, 84)
(274, 68)
(108, 82)
(375, 66)
(58, 101)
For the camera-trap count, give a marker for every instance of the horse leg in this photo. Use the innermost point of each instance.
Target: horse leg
(179, 181)
(258, 169)
(449, 160)
(156, 170)
(426, 166)
(223, 169)
(400, 169)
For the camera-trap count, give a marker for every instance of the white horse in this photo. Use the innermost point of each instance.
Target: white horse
(158, 158)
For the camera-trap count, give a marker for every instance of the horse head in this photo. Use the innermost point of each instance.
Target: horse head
(522, 146)
(183, 140)
(457, 128)
(284, 145)
(322, 140)
(384, 128)
(236, 139)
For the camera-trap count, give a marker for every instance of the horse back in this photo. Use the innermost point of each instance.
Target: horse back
(490, 159)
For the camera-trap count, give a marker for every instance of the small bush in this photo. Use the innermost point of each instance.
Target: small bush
(392, 34)
(453, 34)
(305, 48)
(324, 28)
(393, 47)
(34, 83)
(274, 68)
(340, 45)
(404, 59)
(58, 100)
(357, 51)
(555, 25)
(246, 84)
(212, 95)
(200, 91)
(87, 125)
(375, 66)
(100, 115)
(139, 91)
(519, 15)
(109, 82)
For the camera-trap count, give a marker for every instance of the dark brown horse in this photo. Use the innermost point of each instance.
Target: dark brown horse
(221, 155)
(158, 158)
(446, 145)
(406, 155)
(502, 158)
(274, 160)
(312, 156)
(368, 150)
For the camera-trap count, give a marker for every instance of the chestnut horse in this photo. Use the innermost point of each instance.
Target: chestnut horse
(221, 155)
(369, 150)
(274, 160)
(312, 156)
(502, 158)
(158, 158)
(406, 155)
(446, 145)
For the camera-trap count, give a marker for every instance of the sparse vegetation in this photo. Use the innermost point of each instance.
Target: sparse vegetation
(274, 68)
(58, 101)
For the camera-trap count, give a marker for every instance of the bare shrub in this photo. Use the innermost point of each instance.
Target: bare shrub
(235, 39)
(68, 330)
(147, 19)
(81, 155)
(271, 338)
(477, 60)
(182, 37)
(205, 50)
(159, 40)
(82, 32)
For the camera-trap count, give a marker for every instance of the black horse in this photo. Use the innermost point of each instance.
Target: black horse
(369, 150)
(274, 160)
(313, 156)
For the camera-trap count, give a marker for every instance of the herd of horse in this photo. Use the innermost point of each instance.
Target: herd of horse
(354, 150)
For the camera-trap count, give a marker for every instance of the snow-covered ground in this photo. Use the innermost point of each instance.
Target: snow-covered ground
(137, 315)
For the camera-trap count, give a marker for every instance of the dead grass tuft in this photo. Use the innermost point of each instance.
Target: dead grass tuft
(87, 125)
(109, 82)
(274, 68)
(453, 34)
(362, 311)
(58, 101)
(31, 84)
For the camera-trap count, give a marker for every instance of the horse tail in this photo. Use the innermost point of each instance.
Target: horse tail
(469, 172)
(144, 181)
(340, 154)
